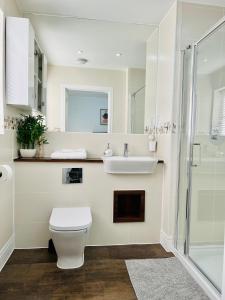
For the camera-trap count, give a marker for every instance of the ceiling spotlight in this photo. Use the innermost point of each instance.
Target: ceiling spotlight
(80, 51)
(82, 61)
(205, 60)
(119, 54)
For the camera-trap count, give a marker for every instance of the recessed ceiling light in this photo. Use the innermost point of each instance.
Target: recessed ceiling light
(80, 51)
(118, 54)
(205, 60)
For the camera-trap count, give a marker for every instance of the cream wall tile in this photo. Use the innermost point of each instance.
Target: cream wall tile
(95, 144)
(7, 146)
(6, 189)
(39, 188)
(167, 35)
(32, 235)
(6, 213)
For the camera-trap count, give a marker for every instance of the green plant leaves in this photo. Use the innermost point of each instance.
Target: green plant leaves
(30, 131)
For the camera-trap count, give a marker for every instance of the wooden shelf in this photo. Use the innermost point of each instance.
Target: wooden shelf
(49, 159)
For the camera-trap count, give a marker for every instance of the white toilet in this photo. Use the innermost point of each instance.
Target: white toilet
(69, 228)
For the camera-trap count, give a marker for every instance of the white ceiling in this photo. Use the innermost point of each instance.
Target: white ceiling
(207, 2)
(130, 11)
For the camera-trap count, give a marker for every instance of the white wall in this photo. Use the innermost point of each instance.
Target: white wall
(58, 76)
(6, 189)
(39, 188)
(7, 153)
(2, 50)
(164, 105)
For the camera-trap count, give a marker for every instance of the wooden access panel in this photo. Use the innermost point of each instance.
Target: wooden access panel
(129, 206)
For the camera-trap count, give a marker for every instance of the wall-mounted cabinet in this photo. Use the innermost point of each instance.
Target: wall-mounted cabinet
(26, 66)
(2, 44)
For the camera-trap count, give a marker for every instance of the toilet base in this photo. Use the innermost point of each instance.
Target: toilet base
(70, 262)
(69, 246)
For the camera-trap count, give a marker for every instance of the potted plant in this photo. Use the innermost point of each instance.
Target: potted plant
(30, 133)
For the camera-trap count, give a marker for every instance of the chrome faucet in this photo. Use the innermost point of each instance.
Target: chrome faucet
(125, 152)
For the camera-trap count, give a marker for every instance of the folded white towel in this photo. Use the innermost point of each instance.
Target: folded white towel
(70, 150)
(70, 154)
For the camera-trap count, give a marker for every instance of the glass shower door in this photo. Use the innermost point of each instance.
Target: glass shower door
(205, 244)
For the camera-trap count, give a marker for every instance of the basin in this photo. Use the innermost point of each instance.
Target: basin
(130, 165)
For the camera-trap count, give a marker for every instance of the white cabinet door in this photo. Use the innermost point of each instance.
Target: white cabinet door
(19, 62)
(1, 72)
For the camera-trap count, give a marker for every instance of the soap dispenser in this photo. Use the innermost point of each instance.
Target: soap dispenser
(108, 152)
(152, 143)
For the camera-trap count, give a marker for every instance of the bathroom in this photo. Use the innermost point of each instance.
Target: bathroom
(121, 196)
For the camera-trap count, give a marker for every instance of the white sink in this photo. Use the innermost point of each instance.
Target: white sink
(130, 165)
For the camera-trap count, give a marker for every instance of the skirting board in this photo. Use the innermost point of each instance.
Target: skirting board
(88, 245)
(167, 243)
(6, 251)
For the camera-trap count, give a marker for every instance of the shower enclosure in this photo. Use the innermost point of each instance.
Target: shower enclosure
(201, 201)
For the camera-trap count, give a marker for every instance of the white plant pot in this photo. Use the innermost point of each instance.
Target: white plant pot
(28, 153)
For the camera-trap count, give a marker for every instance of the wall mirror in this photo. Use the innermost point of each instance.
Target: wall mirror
(98, 75)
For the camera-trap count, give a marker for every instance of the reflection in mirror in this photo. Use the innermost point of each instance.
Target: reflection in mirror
(94, 53)
(137, 110)
(218, 113)
(136, 90)
(87, 111)
(211, 86)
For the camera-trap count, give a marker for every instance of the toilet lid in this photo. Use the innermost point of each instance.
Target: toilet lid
(71, 218)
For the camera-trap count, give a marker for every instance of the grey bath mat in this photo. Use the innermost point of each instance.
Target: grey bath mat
(163, 279)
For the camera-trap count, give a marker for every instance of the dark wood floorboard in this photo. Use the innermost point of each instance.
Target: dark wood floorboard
(33, 275)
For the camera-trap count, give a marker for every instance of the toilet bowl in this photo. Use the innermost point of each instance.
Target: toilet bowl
(69, 229)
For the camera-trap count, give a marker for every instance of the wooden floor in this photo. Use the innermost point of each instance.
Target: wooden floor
(32, 274)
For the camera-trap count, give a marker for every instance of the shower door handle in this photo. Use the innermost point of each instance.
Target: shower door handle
(196, 153)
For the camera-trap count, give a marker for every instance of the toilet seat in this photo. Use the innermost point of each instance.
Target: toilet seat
(70, 219)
